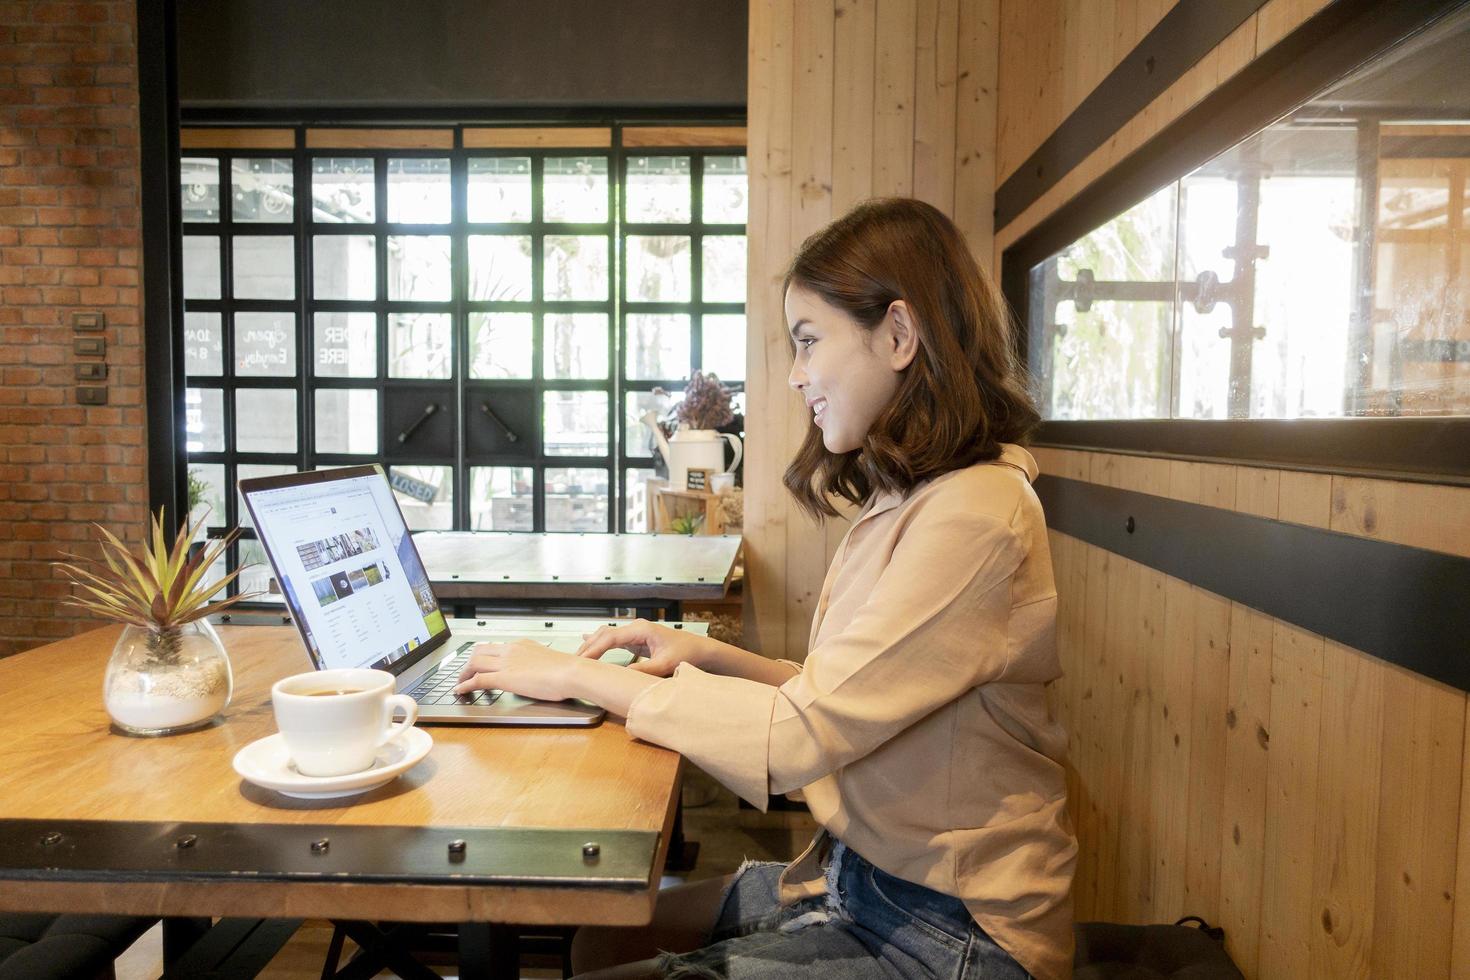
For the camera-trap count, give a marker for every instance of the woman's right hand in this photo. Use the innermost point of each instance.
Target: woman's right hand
(657, 649)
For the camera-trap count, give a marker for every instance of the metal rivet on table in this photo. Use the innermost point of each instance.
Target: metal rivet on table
(701, 578)
(549, 624)
(321, 846)
(1129, 526)
(454, 576)
(188, 840)
(591, 849)
(50, 838)
(658, 578)
(457, 846)
(555, 578)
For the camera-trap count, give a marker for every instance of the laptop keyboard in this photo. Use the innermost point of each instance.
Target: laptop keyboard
(437, 686)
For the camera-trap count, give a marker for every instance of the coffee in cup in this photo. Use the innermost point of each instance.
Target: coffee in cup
(334, 721)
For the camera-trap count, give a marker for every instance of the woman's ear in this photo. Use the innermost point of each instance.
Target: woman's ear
(904, 333)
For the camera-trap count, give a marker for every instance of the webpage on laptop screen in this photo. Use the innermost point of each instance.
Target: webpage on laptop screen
(348, 569)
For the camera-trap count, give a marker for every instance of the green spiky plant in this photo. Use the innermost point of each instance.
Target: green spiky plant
(159, 590)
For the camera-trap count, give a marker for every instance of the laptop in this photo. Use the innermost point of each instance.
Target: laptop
(360, 596)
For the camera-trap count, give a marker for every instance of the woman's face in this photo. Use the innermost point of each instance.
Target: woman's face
(846, 374)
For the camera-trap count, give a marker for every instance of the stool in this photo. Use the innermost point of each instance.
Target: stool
(1108, 951)
(42, 947)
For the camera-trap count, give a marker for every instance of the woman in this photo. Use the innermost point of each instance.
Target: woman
(917, 728)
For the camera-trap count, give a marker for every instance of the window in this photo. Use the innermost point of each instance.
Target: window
(1319, 269)
(489, 317)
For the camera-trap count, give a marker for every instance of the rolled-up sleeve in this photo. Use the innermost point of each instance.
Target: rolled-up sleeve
(933, 627)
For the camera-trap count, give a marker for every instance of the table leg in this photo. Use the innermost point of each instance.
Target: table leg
(232, 948)
(488, 952)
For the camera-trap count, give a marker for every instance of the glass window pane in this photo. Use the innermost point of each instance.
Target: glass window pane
(722, 343)
(1304, 293)
(576, 499)
(502, 498)
(342, 190)
(418, 267)
(419, 346)
(500, 345)
(418, 191)
(658, 346)
(207, 496)
(256, 573)
(203, 345)
(262, 189)
(723, 273)
(658, 189)
(637, 500)
(500, 189)
(249, 471)
(658, 268)
(426, 494)
(574, 189)
(575, 345)
(500, 268)
(638, 439)
(265, 420)
(265, 266)
(344, 267)
(346, 345)
(204, 420)
(575, 423)
(201, 267)
(575, 267)
(725, 190)
(265, 344)
(346, 420)
(199, 188)
(1109, 354)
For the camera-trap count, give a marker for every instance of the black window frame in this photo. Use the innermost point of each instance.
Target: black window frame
(1330, 45)
(460, 387)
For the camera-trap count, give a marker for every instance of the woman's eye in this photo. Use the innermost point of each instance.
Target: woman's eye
(806, 342)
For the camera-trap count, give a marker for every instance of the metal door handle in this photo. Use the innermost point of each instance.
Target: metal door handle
(413, 426)
(490, 413)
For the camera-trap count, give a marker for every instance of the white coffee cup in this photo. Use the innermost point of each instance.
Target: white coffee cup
(334, 721)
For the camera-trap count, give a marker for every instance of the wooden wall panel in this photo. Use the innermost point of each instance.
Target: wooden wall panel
(849, 99)
(1326, 823)
(1326, 818)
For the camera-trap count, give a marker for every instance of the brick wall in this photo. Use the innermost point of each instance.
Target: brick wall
(69, 241)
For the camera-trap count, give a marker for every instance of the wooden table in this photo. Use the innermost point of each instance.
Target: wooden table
(646, 571)
(525, 801)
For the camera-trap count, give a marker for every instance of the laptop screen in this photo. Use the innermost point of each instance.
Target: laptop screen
(347, 566)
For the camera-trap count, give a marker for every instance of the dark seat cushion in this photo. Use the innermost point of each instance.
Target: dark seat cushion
(1107, 951)
(41, 947)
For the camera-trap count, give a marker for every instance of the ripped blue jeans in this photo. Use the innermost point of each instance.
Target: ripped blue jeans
(868, 925)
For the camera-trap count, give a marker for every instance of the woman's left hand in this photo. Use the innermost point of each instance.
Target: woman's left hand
(523, 667)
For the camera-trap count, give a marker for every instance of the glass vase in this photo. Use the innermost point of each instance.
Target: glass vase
(159, 682)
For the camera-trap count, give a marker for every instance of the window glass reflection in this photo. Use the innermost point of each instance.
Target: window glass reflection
(262, 189)
(342, 190)
(1323, 266)
(576, 499)
(502, 498)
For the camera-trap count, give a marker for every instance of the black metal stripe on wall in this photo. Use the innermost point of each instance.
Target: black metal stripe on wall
(1431, 450)
(1405, 605)
(1188, 32)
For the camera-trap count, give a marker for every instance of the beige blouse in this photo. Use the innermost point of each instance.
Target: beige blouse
(918, 730)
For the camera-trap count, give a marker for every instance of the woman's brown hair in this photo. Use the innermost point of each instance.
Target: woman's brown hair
(965, 392)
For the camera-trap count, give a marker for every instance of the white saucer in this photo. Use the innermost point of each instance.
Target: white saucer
(265, 762)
